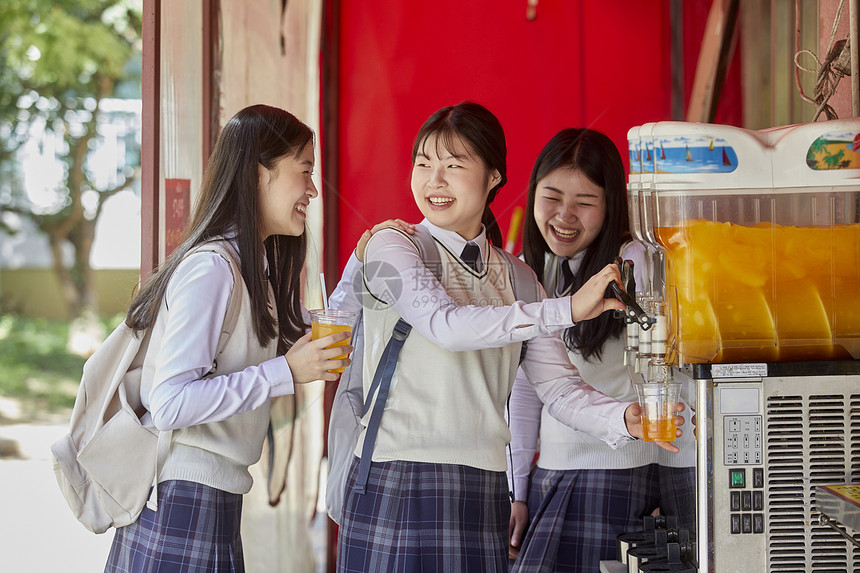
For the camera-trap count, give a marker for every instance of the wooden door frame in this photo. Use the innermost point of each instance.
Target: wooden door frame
(330, 139)
(150, 164)
(150, 167)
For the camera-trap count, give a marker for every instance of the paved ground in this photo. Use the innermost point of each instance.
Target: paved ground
(38, 532)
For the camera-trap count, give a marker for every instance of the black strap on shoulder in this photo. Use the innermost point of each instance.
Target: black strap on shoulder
(382, 381)
(381, 384)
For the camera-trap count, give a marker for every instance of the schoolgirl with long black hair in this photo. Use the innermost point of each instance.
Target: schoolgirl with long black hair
(252, 205)
(436, 497)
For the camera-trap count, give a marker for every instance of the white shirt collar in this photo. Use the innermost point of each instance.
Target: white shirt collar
(454, 241)
(575, 261)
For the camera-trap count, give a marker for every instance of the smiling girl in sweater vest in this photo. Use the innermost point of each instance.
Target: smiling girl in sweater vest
(583, 493)
(253, 201)
(437, 498)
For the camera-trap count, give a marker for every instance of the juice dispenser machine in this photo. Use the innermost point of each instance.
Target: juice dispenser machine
(759, 249)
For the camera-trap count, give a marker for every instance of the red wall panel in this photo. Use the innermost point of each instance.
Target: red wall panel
(603, 65)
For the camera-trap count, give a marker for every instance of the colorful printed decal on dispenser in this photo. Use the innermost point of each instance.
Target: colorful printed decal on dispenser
(647, 156)
(635, 162)
(834, 151)
(695, 155)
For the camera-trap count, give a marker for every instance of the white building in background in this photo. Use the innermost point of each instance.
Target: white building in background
(115, 153)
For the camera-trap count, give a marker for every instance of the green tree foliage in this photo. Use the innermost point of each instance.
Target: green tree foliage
(58, 61)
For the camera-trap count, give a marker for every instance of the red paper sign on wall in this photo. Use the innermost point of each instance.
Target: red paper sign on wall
(177, 198)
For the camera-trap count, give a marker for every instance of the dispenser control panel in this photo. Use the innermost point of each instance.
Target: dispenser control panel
(746, 501)
(743, 440)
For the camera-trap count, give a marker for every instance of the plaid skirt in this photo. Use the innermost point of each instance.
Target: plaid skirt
(425, 517)
(196, 529)
(575, 515)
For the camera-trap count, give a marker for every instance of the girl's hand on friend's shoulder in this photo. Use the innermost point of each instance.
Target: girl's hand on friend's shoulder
(589, 301)
(365, 237)
(310, 360)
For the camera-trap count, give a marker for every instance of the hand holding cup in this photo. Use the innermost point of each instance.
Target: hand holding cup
(655, 417)
(322, 354)
(325, 322)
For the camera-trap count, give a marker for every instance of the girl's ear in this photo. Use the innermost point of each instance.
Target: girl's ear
(495, 177)
(264, 176)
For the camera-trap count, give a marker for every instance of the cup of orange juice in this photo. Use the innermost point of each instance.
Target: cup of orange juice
(658, 400)
(328, 321)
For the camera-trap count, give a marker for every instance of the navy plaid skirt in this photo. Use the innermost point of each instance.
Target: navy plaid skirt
(196, 529)
(576, 515)
(425, 517)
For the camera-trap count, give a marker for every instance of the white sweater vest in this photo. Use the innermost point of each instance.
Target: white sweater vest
(445, 406)
(563, 448)
(217, 454)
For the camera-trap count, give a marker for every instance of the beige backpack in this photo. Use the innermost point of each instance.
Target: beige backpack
(108, 462)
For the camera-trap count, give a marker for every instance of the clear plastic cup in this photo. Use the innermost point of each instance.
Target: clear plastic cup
(327, 321)
(658, 400)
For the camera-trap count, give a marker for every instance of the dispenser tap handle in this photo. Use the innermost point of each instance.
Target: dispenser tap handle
(633, 312)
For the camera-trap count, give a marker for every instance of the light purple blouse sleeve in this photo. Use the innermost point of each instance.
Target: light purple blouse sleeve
(524, 418)
(570, 400)
(403, 281)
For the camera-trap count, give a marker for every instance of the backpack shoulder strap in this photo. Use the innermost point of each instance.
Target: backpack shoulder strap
(523, 280)
(382, 381)
(429, 253)
(226, 250)
(427, 250)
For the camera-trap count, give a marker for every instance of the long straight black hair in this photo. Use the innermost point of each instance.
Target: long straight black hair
(482, 130)
(228, 204)
(595, 156)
